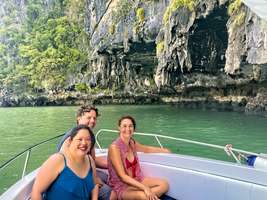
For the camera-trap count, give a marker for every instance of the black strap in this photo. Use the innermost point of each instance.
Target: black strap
(89, 161)
(65, 162)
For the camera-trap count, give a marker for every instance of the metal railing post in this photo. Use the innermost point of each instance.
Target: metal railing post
(158, 142)
(26, 163)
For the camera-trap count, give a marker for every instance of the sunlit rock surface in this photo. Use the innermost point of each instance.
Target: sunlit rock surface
(194, 57)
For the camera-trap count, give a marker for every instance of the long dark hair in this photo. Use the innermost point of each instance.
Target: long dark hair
(76, 129)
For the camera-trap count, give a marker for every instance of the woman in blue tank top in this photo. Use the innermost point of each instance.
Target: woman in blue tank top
(69, 175)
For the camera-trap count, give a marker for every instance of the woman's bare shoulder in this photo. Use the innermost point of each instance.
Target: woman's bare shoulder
(55, 160)
(113, 148)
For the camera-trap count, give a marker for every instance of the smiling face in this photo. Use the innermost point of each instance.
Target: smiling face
(81, 142)
(88, 118)
(126, 128)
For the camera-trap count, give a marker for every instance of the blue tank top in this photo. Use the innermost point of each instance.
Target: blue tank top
(69, 186)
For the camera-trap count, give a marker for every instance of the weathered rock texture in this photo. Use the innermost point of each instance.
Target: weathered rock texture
(199, 56)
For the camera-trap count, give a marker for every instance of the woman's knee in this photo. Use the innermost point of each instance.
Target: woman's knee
(140, 195)
(164, 185)
(151, 182)
(113, 196)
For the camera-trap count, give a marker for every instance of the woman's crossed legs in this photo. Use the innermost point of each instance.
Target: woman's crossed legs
(157, 186)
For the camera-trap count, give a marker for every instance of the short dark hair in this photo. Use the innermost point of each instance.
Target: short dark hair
(76, 129)
(127, 117)
(86, 108)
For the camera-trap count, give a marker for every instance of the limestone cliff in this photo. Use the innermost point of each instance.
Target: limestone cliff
(197, 53)
(192, 51)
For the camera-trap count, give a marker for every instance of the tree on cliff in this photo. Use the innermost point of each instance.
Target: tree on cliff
(54, 45)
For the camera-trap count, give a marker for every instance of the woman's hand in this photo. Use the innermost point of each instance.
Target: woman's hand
(149, 194)
(99, 182)
(95, 191)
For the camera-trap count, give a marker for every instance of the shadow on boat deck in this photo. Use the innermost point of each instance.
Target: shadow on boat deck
(166, 197)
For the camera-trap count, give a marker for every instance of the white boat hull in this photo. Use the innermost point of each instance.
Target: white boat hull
(193, 178)
(190, 178)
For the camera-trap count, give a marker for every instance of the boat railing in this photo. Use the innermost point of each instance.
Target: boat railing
(159, 136)
(28, 154)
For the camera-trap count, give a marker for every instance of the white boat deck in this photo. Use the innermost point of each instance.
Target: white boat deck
(189, 177)
(194, 178)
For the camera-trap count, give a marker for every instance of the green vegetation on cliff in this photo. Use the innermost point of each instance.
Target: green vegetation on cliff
(235, 11)
(234, 6)
(140, 14)
(82, 87)
(160, 47)
(11, 35)
(140, 18)
(123, 9)
(175, 4)
(44, 47)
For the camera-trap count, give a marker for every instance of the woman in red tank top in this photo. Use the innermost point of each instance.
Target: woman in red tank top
(125, 175)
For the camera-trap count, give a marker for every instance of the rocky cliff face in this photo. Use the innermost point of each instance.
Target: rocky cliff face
(124, 55)
(193, 53)
(194, 42)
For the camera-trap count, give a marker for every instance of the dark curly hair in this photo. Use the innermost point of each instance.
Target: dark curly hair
(86, 108)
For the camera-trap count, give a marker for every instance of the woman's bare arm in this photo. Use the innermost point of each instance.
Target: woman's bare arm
(46, 175)
(150, 149)
(95, 191)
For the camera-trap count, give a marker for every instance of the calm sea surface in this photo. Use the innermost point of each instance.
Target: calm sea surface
(23, 127)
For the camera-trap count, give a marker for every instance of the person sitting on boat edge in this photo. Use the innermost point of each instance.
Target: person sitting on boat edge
(125, 176)
(87, 115)
(70, 174)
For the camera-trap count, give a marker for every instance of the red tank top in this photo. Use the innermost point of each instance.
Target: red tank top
(132, 164)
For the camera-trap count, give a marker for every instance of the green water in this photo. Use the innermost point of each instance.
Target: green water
(23, 127)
